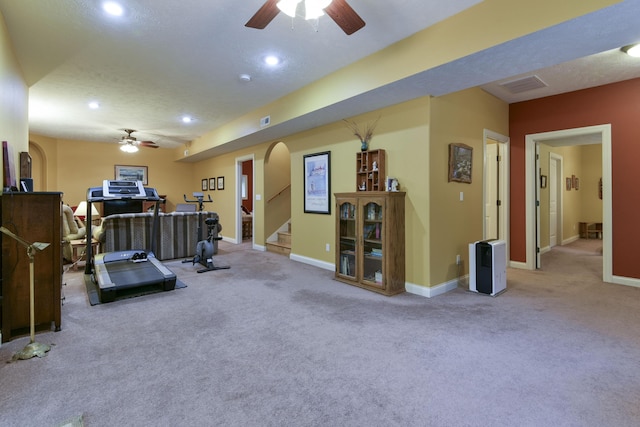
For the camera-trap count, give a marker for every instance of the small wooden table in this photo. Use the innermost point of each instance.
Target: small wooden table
(78, 250)
(588, 229)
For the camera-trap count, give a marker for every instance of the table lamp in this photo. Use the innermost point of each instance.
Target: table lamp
(81, 211)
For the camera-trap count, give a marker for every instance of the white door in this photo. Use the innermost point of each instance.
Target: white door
(491, 191)
(553, 202)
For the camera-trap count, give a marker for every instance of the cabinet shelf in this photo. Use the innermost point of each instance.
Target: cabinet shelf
(374, 257)
(370, 170)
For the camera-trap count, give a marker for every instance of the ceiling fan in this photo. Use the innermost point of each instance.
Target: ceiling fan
(130, 143)
(338, 10)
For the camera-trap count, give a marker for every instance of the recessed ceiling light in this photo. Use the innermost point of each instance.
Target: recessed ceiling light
(112, 8)
(94, 105)
(272, 60)
(245, 77)
(632, 50)
(187, 119)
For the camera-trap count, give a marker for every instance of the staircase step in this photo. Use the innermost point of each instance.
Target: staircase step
(284, 238)
(284, 249)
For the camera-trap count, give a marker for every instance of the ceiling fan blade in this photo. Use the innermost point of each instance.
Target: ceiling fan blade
(264, 15)
(344, 16)
(149, 144)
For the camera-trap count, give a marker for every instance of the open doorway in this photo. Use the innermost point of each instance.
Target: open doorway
(587, 135)
(244, 198)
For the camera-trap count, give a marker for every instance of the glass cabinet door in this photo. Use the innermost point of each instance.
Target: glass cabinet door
(347, 232)
(372, 243)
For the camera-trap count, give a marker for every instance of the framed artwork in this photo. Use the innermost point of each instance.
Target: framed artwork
(460, 160)
(205, 187)
(212, 184)
(132, 173)
(573, 181)
(576, 183)
(221, 183)
(543, 181)
(569, 184)
(317, 183)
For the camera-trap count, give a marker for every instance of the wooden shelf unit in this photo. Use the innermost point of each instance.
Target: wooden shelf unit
(370, 243)
(34, 217)
(369, 178)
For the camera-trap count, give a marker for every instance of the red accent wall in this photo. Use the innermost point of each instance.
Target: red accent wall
(617, 104)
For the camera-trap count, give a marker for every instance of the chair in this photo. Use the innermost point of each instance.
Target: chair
(72, 229)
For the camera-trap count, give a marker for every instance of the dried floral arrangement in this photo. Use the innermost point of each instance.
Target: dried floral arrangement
(364, 135)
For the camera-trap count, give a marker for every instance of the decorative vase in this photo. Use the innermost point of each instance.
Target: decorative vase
(364, 146)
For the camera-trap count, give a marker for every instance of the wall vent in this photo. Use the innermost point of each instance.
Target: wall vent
(265, 121)
(523, 85)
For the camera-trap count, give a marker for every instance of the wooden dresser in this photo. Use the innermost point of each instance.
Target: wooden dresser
(35, 217)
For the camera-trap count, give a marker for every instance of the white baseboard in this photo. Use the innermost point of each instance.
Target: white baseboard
(518, 264)
(570, 240)
(260, 248)
(627, 281)
(545, 249)
(312, 261)
(434, 291)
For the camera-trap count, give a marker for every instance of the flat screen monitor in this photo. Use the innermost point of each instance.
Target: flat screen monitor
(112, 207)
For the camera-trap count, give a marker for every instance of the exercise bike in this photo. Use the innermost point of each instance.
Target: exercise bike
(204, 248)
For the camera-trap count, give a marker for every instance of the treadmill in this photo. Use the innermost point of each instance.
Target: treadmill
(131, 272)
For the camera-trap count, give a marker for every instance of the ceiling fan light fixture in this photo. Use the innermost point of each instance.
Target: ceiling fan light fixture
(129, 148)
(288, 7)
(632, 50)
(314, 8)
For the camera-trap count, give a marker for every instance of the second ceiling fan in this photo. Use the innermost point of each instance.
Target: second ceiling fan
(338, 10)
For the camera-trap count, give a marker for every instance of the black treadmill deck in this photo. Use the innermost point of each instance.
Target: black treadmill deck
(117, 275)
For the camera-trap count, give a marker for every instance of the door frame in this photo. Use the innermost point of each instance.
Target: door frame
(531, 180)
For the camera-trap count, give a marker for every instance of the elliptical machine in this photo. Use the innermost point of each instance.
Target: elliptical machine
(205, 248)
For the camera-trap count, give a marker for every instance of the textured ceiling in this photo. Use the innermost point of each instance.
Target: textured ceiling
(166, 59)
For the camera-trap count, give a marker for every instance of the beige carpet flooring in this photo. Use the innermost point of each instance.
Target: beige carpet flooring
(271, 342)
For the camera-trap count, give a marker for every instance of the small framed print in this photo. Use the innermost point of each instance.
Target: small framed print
(543, 181)
(204, 185)
(569, 182)
(221, 183)
(212, 184)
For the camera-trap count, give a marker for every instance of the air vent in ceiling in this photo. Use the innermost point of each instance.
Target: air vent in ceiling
(524, 84)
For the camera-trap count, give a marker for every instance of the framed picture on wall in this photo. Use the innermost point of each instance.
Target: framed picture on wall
(132, 173)
(221, 183)
(212, 184)
(317, 183)
(543, 181)
(460, 161)
(569, 183)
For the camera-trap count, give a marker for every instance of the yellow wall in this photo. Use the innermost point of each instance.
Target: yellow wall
(458, 118)
(14, 102)
(402, 132)
(75, 166)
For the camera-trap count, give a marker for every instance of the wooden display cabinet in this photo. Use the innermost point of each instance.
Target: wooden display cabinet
(370, 240)
(370, 166)
(34, 217)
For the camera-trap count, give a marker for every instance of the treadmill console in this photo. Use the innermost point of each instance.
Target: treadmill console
(123, 188)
